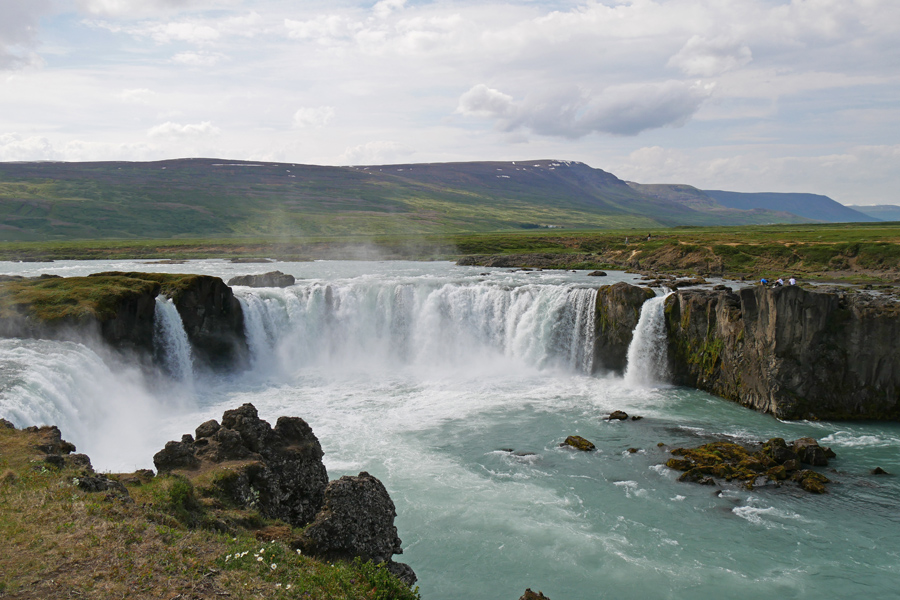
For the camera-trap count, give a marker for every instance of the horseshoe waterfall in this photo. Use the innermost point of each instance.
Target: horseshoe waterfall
(456, 386)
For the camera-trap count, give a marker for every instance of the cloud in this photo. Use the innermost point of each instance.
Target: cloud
(482, 101)
(140, 8)
(371, 153)
(14, 146)
(18, 31)
(176, 130)
(198, 59)
(573, 113)
(313, 117)
(137, 96)
(706, 57)
(384, 8)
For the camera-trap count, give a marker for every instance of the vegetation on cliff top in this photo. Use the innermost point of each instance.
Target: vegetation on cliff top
(855, 252)
(75, 298)
(169, 540)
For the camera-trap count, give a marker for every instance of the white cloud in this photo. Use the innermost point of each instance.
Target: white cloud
(380, 152)
(140, 8)
(482, 101)
(176, 130)
(198, 59)
(14, 146)
(313, 117)
(707, 57)
(137, 96)
(384, 8)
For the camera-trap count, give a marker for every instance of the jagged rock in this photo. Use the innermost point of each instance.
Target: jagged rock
(734, 462)
(811, 481)
(597, 274)
(579, 443)
(618, 415)
(51, 441)
(529, 595)
(809, 452)
(788, 351)
(6, 424)
(879, 471)
(777, 449)
(270, 279)
(278, 471)
(357, 519)
(618, 310)
(207, 429)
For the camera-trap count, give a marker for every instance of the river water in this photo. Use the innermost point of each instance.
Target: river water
(455, 386)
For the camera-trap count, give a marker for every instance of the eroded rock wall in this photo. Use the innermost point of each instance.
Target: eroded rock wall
(788, 351)
(617, 312)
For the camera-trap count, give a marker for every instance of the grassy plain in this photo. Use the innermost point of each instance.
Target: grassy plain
(844, 251)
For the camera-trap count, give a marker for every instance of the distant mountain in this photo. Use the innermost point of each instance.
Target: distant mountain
(883, 212)
(698, 200)
(811, 206)
(228, 198)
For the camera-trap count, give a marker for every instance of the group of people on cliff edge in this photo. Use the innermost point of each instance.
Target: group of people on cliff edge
(779, 282)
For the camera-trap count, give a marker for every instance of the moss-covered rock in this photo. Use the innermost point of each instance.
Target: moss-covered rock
(579, 443)
(733, 462)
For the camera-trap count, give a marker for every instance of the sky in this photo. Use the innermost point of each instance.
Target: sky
(743, 95)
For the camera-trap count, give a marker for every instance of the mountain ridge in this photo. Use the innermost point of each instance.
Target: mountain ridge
(214, 197)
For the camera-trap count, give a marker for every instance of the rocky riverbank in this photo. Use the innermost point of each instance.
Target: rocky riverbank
(239, 509)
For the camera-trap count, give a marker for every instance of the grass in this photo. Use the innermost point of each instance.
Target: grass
(76, 298)
(59, 541)
(865, 252)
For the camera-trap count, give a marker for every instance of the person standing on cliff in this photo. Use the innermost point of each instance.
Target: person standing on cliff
(792, 281)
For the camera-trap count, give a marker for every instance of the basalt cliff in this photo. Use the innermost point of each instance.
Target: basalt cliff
(788, 351)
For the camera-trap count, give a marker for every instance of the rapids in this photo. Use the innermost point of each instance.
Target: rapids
(427, 374)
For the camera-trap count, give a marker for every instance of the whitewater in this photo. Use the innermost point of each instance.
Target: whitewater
(455, 386)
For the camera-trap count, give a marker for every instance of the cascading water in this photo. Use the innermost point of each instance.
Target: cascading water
(648, 354)
(400, 324)
(455, 389)
(171, 341)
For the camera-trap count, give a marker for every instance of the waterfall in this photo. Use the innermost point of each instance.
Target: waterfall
(171, 342)
(648, 354)
(387, 324)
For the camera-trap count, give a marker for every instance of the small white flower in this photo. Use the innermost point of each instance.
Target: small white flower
(273, 566)
(259, 559)
(277, 585)
(287, 587)
(298, 551)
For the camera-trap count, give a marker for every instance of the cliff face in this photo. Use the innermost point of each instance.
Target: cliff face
(214, 322)
(120, 309)
(789, 352)
(618, 310)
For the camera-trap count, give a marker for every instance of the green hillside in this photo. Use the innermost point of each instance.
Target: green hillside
(224, 199)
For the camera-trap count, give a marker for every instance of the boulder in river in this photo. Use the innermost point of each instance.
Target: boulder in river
(270, 279)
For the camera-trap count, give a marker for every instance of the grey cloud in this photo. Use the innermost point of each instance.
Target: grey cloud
(18, 30)
(707, 57)
(572, 113)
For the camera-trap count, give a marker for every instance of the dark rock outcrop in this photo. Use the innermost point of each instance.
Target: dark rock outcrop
(579, 443)
(270, 279)
(618, 311)
(279, 471)
(357, 519)
(529, 595)
(246, 463)
(788, 351)
(774, 462)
